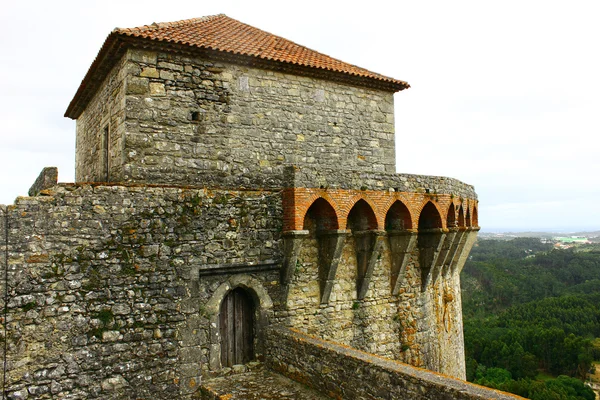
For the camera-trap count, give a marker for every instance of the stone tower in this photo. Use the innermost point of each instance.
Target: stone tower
(228, 180)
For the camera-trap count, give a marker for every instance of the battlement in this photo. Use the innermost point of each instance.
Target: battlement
(330, 178)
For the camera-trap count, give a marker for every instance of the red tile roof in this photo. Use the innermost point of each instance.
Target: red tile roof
(223, 34)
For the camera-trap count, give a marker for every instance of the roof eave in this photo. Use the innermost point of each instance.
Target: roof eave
(117, 43)
(102, 64)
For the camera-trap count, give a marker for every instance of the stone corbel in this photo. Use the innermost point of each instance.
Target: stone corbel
(430, 242)
(469, 238)
(402, 243)
(292, 243)
(438, 269)
(331, 244)
(457, 245)
(368, 251)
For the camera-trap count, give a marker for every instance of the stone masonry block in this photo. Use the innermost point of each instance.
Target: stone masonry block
(142, 56)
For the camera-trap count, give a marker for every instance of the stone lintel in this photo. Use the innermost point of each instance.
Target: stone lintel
(401, 232)
(295, 233)
(245, 268)
(332, 232)
(433, 230)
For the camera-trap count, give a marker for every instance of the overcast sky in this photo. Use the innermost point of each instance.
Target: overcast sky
(505, 94)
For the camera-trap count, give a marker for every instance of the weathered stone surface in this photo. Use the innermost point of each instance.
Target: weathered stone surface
(343, 372)
(229, 125)
(131, 278)
(116, 301)
(47, 178)
(105, 111)
(258, 384)
(324, 177)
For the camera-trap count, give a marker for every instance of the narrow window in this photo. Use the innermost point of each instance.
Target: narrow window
(105, 156)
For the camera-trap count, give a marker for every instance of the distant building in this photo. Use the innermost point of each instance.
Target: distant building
(572, 239)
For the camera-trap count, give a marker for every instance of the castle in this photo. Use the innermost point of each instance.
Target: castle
(235, 199)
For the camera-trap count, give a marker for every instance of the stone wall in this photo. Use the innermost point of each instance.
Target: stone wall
(416, 319)
(370, 324)
(106, 111)
(330, 178)
(342, 372)
(366, 270)
(115, 290)
(4, 263)
(189, 120)
(109, 287)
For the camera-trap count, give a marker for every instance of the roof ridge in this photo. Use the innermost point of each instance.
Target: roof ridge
(171, 24)
(299, 45)
(192, 21)
(227, 35)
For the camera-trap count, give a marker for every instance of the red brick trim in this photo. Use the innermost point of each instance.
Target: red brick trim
(297, 201)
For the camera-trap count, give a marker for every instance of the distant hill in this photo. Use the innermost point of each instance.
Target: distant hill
(531, 315)
(594, 236)
(503, 273)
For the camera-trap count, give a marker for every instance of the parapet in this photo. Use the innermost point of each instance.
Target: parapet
(329, 178)
(354, 374)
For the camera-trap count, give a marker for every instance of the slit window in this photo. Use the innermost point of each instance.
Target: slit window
(105, 155)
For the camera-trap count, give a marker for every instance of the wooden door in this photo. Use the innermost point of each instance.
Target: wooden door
(237, 328)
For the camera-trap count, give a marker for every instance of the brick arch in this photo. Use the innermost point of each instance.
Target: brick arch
(393, 212)
(433, 217)
(324, 212)
(350, 205)
(451, 216)
(404, 200)
(305, 203)
(468, 217)
(475, 216)
(461, 216)
(361, 217)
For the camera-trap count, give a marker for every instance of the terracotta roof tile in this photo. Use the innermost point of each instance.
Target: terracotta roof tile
(224, 34)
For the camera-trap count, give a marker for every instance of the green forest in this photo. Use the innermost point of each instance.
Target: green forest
(532, 317)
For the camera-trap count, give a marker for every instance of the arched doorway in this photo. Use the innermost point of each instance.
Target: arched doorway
(236, 325)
